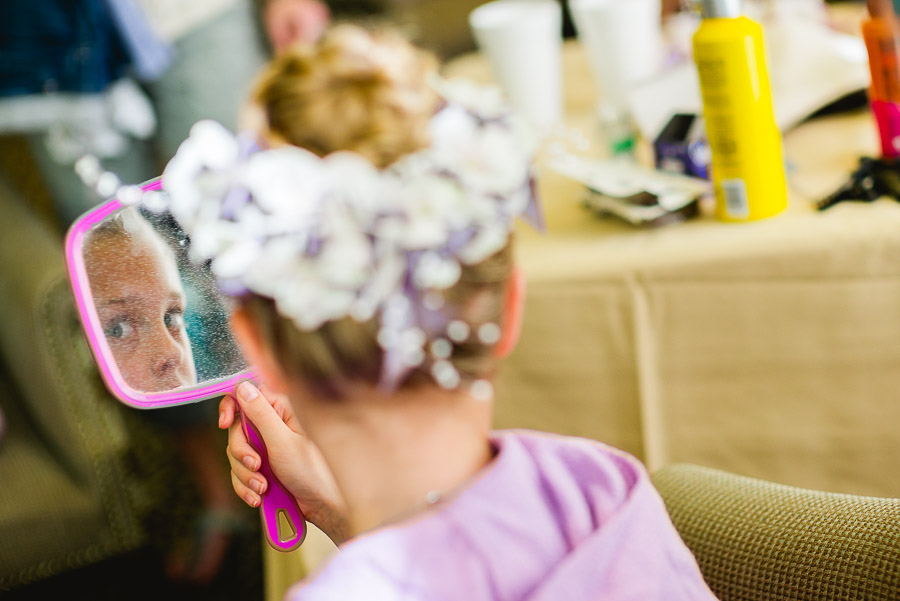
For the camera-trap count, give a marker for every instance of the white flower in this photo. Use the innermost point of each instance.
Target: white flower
(277, 260)
(386, 278)
(200, 169)
(309, 301)
(179, 179)
(346, 254)
(204, 241)
(252, 221)
(486, 242)
(518, 201)
(493, 162)
(487, 101)
(236, 259)
(218, 147)
(433, 207)
(357, 182)
(287, 181)
(436, 272)
(487, 158)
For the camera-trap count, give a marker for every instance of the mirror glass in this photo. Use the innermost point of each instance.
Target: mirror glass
(162, 317)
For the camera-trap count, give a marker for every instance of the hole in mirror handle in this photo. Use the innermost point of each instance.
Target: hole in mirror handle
(283, 522)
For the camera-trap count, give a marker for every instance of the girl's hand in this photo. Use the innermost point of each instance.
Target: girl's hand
(292, 456)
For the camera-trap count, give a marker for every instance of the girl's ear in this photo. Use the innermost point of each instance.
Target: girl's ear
(256, 351)
(513, 312)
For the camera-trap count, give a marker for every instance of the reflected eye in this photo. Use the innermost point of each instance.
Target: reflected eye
(119, 330)
(174, 318)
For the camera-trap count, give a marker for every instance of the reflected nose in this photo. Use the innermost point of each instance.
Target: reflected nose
(167, 358)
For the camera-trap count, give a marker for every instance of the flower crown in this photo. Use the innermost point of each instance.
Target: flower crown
(333, 237)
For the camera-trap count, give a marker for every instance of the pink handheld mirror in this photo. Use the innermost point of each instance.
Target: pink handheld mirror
(157, 327)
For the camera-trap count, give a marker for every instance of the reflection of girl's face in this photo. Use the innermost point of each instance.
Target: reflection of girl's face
(140, 302)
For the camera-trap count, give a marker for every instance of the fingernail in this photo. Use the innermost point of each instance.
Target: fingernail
(257, 486)
(252, 500)
(247, 391)
(250, 462)
(221, 419)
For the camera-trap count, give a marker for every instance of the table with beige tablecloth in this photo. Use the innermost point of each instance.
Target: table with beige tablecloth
(770, 349)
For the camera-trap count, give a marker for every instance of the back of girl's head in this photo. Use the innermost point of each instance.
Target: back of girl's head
(368, 93)
(356, 91)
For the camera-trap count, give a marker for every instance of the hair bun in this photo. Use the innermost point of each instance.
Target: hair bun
(355, 90)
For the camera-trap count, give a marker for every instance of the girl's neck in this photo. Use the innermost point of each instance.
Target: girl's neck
(392, 455)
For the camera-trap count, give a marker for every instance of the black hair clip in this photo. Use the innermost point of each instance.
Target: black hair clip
(871, 180)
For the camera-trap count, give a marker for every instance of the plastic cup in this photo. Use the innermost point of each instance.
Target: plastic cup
(623, 41)
(522, 42)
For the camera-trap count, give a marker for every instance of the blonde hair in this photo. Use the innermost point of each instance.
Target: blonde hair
(368, 93)
(127, 224)
(360, 91)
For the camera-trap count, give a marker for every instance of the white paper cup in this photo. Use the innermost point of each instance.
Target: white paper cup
(623, 41)
(522, 42)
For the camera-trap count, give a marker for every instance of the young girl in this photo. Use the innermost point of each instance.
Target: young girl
(377, 293)
(140, 302)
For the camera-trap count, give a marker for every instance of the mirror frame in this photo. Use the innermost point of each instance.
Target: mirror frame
(93, 332)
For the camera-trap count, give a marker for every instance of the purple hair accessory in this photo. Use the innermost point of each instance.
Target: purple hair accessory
(235, 198)
(534, 213)
(238, 196)
(247, 144)
(233, 287)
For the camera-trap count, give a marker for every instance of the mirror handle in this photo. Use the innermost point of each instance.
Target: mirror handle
(283, 522)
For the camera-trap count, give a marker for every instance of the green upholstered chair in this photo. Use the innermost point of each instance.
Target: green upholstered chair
(82, 478)
(756, 540)
(93, 494)
(67, 494)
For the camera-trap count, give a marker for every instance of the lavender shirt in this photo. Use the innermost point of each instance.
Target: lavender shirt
(551, 518)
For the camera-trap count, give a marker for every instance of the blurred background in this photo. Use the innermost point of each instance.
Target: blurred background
(767, 348)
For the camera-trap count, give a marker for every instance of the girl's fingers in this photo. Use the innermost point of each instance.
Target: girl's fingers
(254, 404)
(248, 477)
(248, 484)
(250, 498)
(227, 408)
(239, 449)
(282, 406)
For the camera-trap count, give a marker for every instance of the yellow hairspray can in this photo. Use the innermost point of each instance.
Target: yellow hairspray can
(747, 164)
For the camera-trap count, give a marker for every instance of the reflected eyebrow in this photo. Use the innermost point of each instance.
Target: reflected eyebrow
(124, 300)
(177, 297)
(121, 301)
